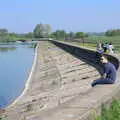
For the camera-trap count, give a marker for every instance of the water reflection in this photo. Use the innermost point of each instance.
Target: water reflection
(3, 101)
(13, 47)
(6, 49)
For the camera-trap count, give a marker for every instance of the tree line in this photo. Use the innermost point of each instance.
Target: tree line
(45, 31)
(113, 32)
(40, 31)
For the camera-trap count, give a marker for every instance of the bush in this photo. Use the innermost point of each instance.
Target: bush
(112, 113)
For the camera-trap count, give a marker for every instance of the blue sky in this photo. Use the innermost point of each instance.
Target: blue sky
(71, 15)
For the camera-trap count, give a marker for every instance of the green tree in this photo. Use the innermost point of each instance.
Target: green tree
(37, 32)
(4, 36)
(52, 35)
(47, 30)
(12, 34)
(29, 35)
(79, 35)
(60, 34)
(113, 32)
(41, 30)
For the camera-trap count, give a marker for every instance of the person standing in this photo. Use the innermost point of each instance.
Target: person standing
(99, 51)
(98, 47)
(105, 46)
(110, 48)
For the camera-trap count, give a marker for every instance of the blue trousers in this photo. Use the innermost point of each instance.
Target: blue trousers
(102, 81)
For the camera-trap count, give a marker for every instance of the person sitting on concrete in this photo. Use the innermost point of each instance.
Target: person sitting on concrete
(109, 73)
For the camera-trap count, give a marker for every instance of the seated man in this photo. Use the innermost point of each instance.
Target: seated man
(109, 73)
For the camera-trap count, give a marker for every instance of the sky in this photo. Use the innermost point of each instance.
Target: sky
(21, 16)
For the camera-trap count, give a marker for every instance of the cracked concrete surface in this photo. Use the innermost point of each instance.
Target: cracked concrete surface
(59, 89)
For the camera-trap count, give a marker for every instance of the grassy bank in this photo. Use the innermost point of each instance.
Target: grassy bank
(95, 39)
(91, 42)
(115, 41)
(111, 113)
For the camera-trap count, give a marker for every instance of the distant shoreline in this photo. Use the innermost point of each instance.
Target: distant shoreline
(27, 81)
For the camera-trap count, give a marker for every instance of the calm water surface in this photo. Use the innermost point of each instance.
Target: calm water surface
(15, 65)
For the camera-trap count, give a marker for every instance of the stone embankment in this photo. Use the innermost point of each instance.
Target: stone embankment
(60, 85)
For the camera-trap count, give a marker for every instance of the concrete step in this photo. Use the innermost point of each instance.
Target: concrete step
(60, 78)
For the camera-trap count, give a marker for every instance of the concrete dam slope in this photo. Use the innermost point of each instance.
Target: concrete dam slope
(60, 86)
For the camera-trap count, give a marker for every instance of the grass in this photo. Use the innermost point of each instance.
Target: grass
(95, 39)
(115, 41)
(111, 113)
(91, 42)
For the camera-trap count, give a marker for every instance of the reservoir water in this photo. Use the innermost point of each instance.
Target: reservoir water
(15, 65)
